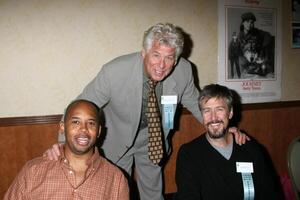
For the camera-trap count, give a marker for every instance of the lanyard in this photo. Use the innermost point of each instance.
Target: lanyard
(248, 186)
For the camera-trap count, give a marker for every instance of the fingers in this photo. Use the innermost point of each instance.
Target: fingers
(240, 137)
(56, 151)
(52, 153)
(48, 154)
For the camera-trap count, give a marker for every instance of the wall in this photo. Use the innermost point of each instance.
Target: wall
(54, 48)
(51, 49)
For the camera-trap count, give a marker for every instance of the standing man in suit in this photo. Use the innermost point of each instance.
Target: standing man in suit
(121, 88)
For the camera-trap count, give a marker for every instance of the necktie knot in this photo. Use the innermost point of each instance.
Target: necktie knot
(152, 83)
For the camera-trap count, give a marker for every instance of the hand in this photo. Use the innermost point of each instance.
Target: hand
(53, 153)
(240, 138)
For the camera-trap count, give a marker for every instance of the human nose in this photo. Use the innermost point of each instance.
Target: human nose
(162, 63)
(84, 127)
(213, 115)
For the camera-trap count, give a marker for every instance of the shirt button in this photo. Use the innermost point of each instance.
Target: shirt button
(75, 190)
(70, 172)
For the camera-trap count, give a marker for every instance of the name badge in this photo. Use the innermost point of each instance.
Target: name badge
(244, 167)
(168, 102)
(168, 99)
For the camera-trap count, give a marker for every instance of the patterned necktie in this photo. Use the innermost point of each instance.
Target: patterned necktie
(155, 148)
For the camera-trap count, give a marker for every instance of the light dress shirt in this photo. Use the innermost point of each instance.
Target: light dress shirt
(41, 178)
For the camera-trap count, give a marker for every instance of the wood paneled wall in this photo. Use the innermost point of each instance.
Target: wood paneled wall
(273, 124)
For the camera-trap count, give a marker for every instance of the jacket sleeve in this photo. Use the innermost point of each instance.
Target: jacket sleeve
(98, 90)
(190, 95)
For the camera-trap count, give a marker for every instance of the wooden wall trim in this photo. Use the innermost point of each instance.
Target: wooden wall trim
(271, 105)
(259, 106)
(19, 121)
(52, 119)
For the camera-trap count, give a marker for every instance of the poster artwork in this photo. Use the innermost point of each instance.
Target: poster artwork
(251, 44)
(249, 48)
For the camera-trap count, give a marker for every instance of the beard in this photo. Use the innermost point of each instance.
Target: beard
(216, 134)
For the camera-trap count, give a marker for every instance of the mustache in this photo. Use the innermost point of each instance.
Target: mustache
(215, 121)
(84, 135)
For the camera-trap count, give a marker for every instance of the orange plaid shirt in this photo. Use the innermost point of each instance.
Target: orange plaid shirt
(41, 178)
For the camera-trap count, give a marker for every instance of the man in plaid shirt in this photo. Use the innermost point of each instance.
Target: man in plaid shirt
(80, 173)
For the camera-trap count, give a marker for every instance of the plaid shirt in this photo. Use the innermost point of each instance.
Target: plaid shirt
(41, 178)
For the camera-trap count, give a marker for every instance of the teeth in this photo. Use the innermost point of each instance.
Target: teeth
(82, 140)
(158, 72)
(215, 124)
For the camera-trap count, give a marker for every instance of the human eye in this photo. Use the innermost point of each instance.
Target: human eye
(170, 58)
(220, 109)
(92, 123)
(75, 121)
(205, 111)
(156, 55)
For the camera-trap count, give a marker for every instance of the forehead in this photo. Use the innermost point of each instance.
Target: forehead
(213, 102)
(249, 21)
(161, 47)
(82, 107)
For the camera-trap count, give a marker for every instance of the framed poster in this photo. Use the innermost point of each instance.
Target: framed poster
(296, 35)
(249, 49)
(295, 24)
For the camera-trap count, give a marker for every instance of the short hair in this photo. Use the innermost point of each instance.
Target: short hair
(216, 91)
(166, 34)
(97, 109)
(248, 16)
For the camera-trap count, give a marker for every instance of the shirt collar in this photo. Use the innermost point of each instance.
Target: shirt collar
(93, 162)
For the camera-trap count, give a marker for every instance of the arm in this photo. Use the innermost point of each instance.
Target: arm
(17, 189)
(123, 189)
(96, 91)
(269, 186)
(186, 180)
(190, 96)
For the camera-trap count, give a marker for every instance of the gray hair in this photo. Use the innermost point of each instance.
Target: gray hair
(166, 34)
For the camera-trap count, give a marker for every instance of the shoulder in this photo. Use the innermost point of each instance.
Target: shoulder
(183, 65)
(182, 72)
(109, 168)
(39, 164)
(125, 60)
(193, 146)
(253, 148)
(123, 66)
(35, 169)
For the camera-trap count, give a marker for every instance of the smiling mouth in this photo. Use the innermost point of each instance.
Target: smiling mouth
(215, 123)
(82, 140)
(158, 72)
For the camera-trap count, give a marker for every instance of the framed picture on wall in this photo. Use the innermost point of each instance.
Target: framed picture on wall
(249, 48)
(296, 35)
(296, 10)
(295, 31)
